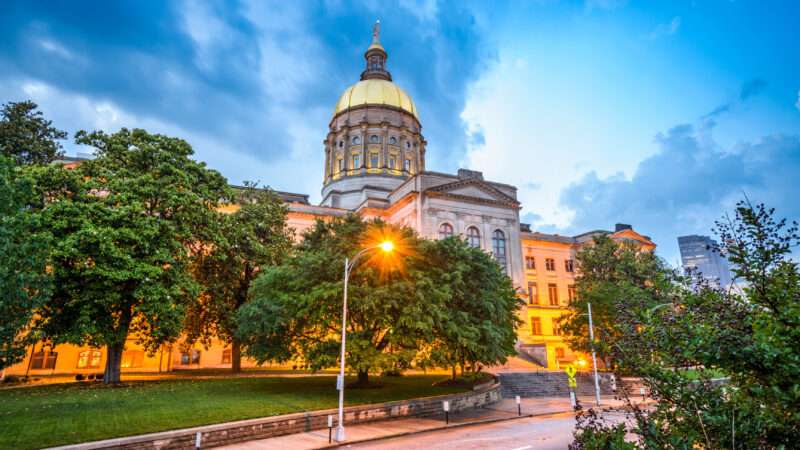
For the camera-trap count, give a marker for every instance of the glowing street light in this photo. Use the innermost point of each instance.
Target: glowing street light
(387, 247)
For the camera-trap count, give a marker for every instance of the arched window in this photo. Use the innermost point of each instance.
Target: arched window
(393, 140)
(499, 248)
(445, 230)
(356, 140)
(473, 237)
(374, 138)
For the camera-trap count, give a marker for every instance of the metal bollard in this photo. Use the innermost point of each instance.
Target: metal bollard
(519, 405)
(198, 440)
(446, 407)
(330, 429)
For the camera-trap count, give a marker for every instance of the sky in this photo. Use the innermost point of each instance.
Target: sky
(657, 114)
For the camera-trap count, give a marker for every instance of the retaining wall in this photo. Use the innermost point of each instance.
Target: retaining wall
(552, 384)
(266, 427)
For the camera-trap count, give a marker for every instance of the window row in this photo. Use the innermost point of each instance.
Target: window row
(473, 237)
(536, 326)
(87, 359)
(552, 294)
(549, 264)
(374, 162)
(375, 139)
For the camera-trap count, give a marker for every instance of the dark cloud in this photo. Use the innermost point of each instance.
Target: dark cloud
(249, 69)
(688, 184)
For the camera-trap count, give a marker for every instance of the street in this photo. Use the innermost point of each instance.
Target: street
(553, 432)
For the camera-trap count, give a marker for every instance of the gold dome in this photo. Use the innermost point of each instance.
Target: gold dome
(375, 92)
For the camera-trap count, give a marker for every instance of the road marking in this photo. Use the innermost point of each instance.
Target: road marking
(524, 448)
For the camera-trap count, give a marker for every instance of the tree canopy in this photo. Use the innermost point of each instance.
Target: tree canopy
(26, 136)
(123, 226)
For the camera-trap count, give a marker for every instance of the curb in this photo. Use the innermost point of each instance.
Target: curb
(440, 428)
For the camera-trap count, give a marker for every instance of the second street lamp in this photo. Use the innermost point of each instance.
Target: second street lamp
(386, 246)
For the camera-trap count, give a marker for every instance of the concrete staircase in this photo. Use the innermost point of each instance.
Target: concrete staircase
(550, 384)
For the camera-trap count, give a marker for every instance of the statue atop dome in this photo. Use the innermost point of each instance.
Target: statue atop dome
(376, 31)
(376, 58)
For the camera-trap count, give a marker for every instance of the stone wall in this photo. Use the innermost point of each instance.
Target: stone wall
(245, 430)
(551, 384)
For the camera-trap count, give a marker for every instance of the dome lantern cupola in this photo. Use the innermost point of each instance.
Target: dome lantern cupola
(376, 58)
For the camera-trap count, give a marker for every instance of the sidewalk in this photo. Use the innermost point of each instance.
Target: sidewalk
(503, 410)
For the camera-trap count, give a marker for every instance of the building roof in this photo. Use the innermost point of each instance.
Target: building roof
(375, 92)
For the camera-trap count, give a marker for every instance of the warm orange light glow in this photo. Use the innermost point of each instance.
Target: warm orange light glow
(582, 362)
(387, 246)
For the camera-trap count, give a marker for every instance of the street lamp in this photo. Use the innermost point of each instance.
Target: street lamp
(386, 246)
(594, 357)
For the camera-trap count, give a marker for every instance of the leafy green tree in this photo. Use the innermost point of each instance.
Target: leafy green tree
(251, 238)
(26, 136)
(614, 276)
(23, 280)
(296, 308)
(748, 337)
(123, 228)
(475, 311)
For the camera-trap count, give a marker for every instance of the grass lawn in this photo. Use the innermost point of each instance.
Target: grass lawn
(58, 414)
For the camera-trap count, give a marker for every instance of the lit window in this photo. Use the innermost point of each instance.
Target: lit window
(473, 237)
(89, 359)
(556, 326)
(356, 161)
(191, 357)
(550, 264)
(445, 231)
(530, 263)
(536, 326)
(132, 358)
(571, 293)
(373, 160)
(533, 293)
(569, 265)
(552, 292)
(226, 356)
(499, 248)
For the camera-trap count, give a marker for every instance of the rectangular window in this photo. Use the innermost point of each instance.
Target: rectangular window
(533, 293)
(89, 359)
(44, 360)
(132, 359)
(392, 162)
(556, 326)
(571, 293)
(569, 266)
(407, 165)
(226, 356)
(530, 263)
(356, 161)
(550, 264)
(560, 352)
(536, 326)
(190, 357)
(373, 160)
(340, 162)
(552, 291)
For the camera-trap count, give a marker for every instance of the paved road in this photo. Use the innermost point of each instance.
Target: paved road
(536, 433)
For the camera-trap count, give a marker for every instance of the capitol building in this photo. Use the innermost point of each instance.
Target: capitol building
(375, 166)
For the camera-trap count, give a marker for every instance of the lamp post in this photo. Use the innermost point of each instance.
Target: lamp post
(387, 247)
(594, 357)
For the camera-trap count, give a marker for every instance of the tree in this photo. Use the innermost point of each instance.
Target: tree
(26, 136)
(251, 238)
(295, 311)
(123, 226)
(475, 317)
(23, 280)
(748, 338)
(614, 276)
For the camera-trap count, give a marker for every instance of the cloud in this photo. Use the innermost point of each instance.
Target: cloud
(797, 103)
(666, 29)
(747, 91)
(688, 184)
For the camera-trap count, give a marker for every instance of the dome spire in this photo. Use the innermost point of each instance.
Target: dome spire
(376, 57)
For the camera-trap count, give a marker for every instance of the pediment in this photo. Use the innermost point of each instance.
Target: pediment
(475, 190)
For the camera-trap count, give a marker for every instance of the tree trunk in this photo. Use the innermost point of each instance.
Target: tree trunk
(454, 372)
(236, 356)
(113, 363)
(363, 377)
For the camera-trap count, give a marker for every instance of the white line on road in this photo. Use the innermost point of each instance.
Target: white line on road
(523, 448)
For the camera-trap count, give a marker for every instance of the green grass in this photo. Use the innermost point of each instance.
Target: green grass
(59, 414)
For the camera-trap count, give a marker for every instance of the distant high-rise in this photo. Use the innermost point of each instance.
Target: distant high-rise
(698, 254)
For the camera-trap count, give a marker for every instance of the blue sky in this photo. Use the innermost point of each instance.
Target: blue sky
(658, 114)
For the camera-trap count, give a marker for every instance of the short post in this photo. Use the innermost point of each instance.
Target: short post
(330, 429)
(572, 398)
(198, 440)
(641, 391)
(519, 405)
(446, 407)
